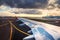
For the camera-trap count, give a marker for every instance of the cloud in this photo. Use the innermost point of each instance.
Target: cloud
(58, 3)
(52, 4)
(25, 3)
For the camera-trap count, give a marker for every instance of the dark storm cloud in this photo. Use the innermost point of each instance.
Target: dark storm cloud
(25, 3)
(58, 3)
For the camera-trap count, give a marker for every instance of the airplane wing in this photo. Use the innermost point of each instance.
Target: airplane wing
(41, 31)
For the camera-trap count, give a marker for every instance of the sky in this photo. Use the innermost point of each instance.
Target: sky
(31, 3)
(45, 6)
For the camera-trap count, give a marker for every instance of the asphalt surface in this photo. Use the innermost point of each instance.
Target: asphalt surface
(5, 30)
